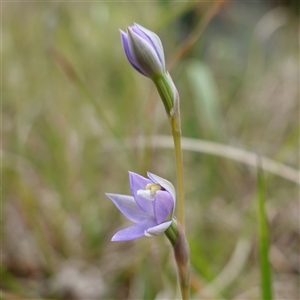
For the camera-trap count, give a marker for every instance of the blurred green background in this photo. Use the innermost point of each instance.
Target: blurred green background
(71, 102)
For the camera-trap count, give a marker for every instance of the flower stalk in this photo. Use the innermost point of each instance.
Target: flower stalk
(176, 235)
(165, 88)
(172, 232)
(169, 95)
(176, 132)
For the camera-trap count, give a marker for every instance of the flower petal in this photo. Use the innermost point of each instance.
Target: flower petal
(138, 182)
(143, 52)
(157, 230)
(163, 205)
(167, 185)
(124, 39)
(134, 231)
(155, 40)
(146, 194)
(128, 207)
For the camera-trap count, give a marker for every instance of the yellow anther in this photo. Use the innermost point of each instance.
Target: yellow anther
(153, 187)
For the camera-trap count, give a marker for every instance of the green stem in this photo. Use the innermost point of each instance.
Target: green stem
(170, 98)
(172, 232)
(165, 90)
(183, 264)
(176, 235)
(182, 245)
(185, 292)
(176, 132)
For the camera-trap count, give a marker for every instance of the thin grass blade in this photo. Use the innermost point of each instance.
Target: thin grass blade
(263, 237)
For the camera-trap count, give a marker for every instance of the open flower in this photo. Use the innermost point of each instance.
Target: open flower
(151, 206)
(144, 50)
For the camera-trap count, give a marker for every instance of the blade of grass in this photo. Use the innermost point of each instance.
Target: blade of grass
(213, 148)
(263, 237)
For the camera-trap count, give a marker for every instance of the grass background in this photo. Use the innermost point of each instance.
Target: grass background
(70, 100)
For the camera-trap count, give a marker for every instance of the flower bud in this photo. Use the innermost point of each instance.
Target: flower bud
(144, 50)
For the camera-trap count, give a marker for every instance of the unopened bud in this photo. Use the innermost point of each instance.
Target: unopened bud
(144, 50)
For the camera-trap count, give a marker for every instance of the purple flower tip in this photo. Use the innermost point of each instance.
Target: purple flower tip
(143, 50)
(151, 206)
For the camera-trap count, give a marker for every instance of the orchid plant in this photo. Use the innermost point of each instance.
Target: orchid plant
(152, 203)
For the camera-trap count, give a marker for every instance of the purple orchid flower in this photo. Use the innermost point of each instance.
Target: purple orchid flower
(151, 206)
(144, 50)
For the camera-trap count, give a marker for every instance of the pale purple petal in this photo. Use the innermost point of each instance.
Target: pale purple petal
(142, 34)
(145, 36)
(138, 182)
(124, 39)
(144, 53)
(155, 40)
(135, 231)
(157, 230)
(128, 207)
(167, 185)
(163, 205)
